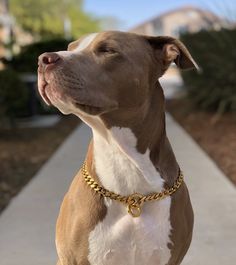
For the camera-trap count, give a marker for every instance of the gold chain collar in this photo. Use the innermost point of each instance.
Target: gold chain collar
(134, 201)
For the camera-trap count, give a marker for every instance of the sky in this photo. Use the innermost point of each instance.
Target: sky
(133, 12)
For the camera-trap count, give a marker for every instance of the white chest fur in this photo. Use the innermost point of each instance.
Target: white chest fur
(120, 238)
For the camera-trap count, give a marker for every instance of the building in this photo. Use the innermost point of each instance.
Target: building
(173, 23)
(5, 26)
(185, 19)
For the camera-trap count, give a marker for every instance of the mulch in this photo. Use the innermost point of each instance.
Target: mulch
(24, 151)
(216, 135)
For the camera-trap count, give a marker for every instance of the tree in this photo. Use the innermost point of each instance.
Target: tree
(47, 19)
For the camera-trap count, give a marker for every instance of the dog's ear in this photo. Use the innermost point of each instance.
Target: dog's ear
(168, 50)
(73, 45)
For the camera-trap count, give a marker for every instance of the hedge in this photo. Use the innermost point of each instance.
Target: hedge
(14, 93)
(13, 96)
(214, 88)
(27, 60)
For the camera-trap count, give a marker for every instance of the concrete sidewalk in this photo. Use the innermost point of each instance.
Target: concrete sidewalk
(27, 225)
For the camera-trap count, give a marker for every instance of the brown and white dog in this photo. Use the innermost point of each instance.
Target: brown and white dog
(110, 81)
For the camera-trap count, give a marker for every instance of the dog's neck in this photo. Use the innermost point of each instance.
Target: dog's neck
(138, 158)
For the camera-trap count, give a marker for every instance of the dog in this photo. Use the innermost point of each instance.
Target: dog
(128, 204)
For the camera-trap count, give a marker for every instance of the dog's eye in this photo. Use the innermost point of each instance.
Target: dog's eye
(106, 49)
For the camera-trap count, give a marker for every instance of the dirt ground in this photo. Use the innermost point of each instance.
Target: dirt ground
(24, 151)
(216, 136)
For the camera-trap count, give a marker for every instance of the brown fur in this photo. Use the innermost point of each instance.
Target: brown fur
(76, 220)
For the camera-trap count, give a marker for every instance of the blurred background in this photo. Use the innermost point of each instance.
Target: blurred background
(203, 103)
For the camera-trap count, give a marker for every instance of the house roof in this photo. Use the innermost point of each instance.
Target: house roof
(205, 13)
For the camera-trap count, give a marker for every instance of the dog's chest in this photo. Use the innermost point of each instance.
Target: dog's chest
(122, 239)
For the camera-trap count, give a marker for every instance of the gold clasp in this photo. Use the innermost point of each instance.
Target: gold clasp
(134, 204)
(135, 211)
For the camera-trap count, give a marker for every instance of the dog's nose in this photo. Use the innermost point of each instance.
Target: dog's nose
(49, 58)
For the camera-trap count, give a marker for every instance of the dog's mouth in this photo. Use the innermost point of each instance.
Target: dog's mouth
(94, 108)
(44, 94)
(42, 87)
(89, 109)
(64, 98)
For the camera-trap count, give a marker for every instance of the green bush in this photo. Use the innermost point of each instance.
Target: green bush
(13, 95)
(27, 60)
(214, 88)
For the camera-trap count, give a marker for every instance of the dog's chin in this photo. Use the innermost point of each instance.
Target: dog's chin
(64, 107)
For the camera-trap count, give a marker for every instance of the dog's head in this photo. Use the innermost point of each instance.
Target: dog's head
(108, 72)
